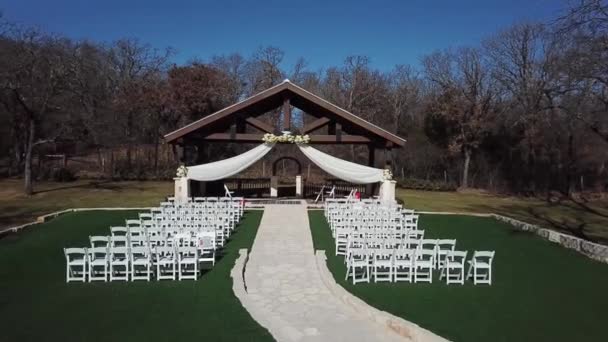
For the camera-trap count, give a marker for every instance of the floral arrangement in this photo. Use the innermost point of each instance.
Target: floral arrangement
(387, 175)
(182, 171)
(287, 137)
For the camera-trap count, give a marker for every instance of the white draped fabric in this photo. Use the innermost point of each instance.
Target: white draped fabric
(228, 167)
(351, 172)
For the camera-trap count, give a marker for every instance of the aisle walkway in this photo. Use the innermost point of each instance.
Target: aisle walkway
(287, 294)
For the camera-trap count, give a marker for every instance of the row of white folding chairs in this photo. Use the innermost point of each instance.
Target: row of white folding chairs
(369, 218)
(370, 212)
(179, 219)
(230, 214)
(417, 265)
(167, 227)
(162, 223)
(207, 201)
(231, 207)
(345, 237)
(137, 237)
(441, 247)
(188, 215)
(363, 205)
(134, 263)
(193, 216)
(376, 224)
(222, 231)
(357, 225)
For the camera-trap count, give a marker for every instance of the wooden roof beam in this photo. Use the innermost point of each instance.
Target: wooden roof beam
(338, 139)
(315, 125)
(262, 126)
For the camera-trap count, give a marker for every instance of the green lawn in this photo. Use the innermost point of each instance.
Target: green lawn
(580, 217)
(17, 208)
(37, 305)
(540, 291)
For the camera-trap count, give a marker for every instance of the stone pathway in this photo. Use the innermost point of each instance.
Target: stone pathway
(285, 291)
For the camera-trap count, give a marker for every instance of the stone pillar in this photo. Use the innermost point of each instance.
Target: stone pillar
(274, 186)
(182, 189)
(298, 186)
(387, 191)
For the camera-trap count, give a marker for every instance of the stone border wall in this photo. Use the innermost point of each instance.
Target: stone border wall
(592, 250)
(398, 325)
(47, 217)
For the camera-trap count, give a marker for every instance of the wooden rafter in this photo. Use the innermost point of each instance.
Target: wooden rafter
(262, 126)
(315, 125)
(287, 94)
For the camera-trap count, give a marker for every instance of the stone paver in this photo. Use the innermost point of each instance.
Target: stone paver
(285, 291)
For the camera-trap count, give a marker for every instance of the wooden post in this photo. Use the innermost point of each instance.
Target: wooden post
(371, 161)
(371, 157)
(388, 161)
(286, 114)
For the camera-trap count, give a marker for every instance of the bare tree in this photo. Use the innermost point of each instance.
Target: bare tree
(34, 76)
(464, 101)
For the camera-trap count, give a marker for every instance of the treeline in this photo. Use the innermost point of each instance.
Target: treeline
(524, 111)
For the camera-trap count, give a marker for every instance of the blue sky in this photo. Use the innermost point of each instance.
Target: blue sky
(323, 32)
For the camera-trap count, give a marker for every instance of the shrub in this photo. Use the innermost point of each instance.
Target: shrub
(423, 184)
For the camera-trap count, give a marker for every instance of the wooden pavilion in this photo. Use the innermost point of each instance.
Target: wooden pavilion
(243, 122)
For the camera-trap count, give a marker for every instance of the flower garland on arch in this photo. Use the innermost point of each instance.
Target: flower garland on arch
(182, 171)
(270, 138)
(387, 175)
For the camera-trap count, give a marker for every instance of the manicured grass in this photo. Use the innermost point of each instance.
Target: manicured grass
(540, 291)
(16, 208)
(37, 305)
(583, 218)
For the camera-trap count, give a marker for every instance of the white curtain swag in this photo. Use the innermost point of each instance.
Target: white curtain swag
(228, 167)
(348, 171)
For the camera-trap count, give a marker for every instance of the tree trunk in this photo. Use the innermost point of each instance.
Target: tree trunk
(27, 172)
(465, 169)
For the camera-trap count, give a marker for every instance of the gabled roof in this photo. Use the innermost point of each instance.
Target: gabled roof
(272, 98)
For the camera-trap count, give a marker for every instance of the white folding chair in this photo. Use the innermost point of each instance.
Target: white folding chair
(187, 262)
(166, 262)
(119, 231)
(206, 246)
(227, 192)
(423, 265)
(444, 246)
(145, 216)
(98, 259)
(358, 259)
(99, 241)
(138, 241)
(453, 267)
(341, 236)
(133, 223)
(141, 263)
(383, 264)
(119, 263)
(403, 265)
(480, 267)
(76, 263)
(119, 241)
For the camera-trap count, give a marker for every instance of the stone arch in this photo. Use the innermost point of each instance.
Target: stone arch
(276, 162)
